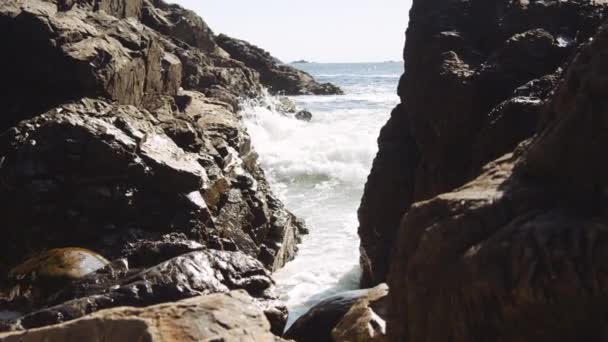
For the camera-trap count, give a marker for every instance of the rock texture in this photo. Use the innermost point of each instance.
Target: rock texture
(185, 276)
(277, 76)
(366, 319)
(120, 134)
(316, 324)
(476, 76)
(512, 250)
(205, 318)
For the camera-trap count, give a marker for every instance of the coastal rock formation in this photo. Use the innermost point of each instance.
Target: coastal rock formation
(279, 78)
(188, 275)
(476, 76)
(366, 319)
(497, 230)
(316, 324)
(203, 318)
(518, 253)
(88, 170)
(121, 135)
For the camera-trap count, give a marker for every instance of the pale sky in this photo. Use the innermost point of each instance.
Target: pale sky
(314, 30)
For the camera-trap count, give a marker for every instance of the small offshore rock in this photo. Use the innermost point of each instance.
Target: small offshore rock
(304, 115)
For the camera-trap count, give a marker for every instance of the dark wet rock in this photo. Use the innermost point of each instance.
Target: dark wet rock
(304, 115)
(188, 275)
(366, 319)
(121, 134)
(510, 249)
(118, 162)
(477, 75)
(58, 57)
(278, 77)
(44, 274)
(208, 318)
(316, 324)
(62, 263)
(64, 5)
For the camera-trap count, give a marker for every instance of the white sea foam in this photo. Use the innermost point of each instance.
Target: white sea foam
(318, 169)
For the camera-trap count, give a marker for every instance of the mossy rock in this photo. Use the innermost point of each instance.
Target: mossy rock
(60, 263)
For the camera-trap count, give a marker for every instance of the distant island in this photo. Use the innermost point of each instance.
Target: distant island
(301, 61)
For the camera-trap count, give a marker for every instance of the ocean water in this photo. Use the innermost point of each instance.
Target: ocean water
(319, 169)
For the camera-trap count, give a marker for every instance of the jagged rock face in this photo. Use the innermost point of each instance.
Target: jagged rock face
(87, 171)
(101, 148)
(278, 77)
(519, 253)
(207, 68)
(476, 76)
(57, 57)
(175, 21)
(204, 318)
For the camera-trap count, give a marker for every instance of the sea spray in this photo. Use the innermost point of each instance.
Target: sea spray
(319, 168)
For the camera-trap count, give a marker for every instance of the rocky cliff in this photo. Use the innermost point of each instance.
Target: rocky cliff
(280, 78)
(121, 135)
(507, 97)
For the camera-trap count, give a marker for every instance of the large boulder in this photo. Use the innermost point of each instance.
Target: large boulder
(220, 317)
(279, 78)
(316, 324)
(366, 319)
(476, 76)
(518, 253)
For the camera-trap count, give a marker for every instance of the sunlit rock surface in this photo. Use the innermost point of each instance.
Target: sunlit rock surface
(203, 318)
(121, 135)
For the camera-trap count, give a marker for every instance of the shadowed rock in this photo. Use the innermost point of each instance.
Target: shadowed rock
(517, 254)
(476, 76)
(316, 324)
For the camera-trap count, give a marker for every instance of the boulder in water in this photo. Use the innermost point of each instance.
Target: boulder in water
(316, 324)
(366, 319)
(304, 115)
